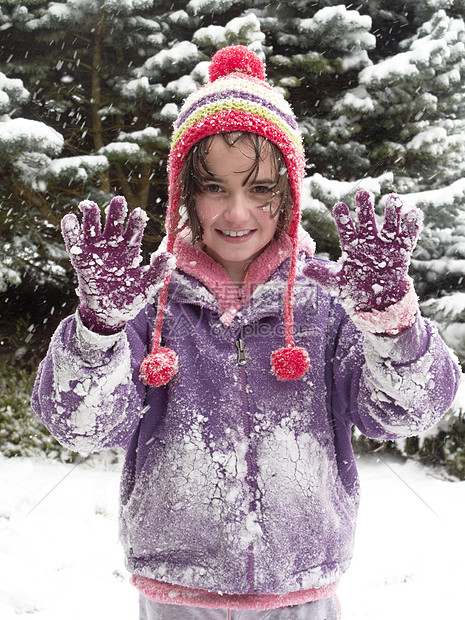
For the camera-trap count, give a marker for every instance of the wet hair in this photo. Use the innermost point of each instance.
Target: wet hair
(195, 170)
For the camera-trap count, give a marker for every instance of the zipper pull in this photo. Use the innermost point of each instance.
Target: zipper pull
(240, 344)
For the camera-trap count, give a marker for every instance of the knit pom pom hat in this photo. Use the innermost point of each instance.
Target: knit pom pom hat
(237, 98)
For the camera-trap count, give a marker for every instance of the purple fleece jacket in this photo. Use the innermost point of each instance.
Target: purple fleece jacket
(234, 481)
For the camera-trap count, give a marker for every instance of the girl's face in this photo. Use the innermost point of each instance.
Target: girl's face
(235, 207)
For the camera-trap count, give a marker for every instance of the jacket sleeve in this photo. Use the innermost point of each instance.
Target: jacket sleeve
(87, 391)
(393, 386)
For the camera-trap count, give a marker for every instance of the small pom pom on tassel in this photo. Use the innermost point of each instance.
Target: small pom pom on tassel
(290, 363)
(158, 368)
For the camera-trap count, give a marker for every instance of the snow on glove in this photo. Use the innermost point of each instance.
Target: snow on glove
(113, 287)
(372, 273)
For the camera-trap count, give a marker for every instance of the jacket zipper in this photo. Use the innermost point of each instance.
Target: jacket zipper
(242, 362)
(241, 358)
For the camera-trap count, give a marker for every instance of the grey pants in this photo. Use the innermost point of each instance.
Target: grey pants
(327, 609)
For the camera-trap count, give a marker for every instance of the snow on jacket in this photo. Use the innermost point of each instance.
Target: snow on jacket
(233, 481)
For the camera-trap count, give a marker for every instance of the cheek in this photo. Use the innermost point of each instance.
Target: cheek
(207, 212)
(268, 223)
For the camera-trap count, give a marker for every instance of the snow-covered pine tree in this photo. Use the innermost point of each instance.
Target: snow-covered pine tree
(73, 56)
(26, 148)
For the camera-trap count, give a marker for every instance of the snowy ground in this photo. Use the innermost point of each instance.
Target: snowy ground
(62, 561)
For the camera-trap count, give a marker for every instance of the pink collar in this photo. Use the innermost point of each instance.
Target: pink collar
(194, 261)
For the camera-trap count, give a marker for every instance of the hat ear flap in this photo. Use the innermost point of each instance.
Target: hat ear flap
(162, 363)
(290, 362)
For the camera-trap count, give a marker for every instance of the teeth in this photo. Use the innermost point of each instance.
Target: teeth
(235, 233)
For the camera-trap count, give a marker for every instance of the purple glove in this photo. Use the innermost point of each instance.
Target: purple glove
(372, 272)
(113, 287)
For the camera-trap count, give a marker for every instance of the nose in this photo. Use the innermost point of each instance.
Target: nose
(236, 211)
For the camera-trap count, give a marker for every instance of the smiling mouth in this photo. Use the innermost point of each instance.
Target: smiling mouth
(235, 233)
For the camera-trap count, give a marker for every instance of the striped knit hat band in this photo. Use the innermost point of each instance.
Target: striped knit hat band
(237, 98)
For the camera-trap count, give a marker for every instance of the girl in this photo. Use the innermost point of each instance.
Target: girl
(239, 491)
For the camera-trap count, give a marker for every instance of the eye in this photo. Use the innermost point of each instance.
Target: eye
(265, 194)
(212, 188)
(263, 189)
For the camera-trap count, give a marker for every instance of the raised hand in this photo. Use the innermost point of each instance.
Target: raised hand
(113, 287)
(372, 272)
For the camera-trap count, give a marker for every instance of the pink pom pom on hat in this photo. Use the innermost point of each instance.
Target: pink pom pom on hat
(237, 98)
